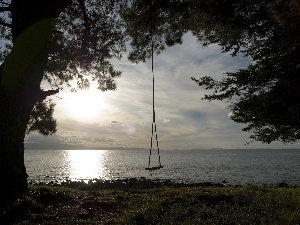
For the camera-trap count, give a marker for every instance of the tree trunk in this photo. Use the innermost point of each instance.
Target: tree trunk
(19, 97)
(15, 109)
(13, 120)
(16, 105)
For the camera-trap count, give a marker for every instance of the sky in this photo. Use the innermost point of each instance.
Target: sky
(123, 118)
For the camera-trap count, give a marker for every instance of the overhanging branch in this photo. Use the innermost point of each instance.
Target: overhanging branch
(4, 9)
(76, 70)
(45, 94)
(4, 3)
(85, 17)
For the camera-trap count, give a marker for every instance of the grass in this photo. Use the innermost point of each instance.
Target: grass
(158, 205)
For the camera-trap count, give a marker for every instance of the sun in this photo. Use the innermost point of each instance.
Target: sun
(85, 104)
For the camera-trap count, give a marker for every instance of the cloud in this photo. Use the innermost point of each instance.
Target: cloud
(115, 124)
(183, 119)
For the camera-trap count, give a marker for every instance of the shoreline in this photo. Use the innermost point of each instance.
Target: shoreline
(142, 182)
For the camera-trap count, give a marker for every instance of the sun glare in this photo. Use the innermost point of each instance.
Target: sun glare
(86, 164)
(85, 104)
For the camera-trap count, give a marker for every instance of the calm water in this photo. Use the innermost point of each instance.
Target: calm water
(256, 167)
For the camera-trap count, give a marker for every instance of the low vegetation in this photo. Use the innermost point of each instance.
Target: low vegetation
(158, 204)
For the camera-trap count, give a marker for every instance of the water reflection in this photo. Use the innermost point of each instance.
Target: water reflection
(86, 164)
(236, 166)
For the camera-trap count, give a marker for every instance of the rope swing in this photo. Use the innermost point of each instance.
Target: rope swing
(154, 133)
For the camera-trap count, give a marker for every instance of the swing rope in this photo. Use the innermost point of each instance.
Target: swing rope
(153, 122)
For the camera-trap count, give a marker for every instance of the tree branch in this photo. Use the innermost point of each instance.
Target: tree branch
(4, 3)
(51, 92)
(76, 70)
(85, 17)
(45, 94)
(83, 9)
(4, 9)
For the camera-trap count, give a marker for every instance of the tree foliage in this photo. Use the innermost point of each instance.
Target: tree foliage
(71, 42)
(153, 24)
(87, 34)
(80, 41)
(41, 119)
(265, 96)
(84, 37)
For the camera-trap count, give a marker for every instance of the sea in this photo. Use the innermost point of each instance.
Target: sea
(260, 167)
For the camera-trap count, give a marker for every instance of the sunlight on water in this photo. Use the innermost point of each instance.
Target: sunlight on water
(235, 166)
(86, 164)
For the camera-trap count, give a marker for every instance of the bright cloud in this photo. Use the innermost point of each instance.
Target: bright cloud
(184, 121)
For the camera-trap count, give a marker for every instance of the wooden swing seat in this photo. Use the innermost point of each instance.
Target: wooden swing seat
(154, 168)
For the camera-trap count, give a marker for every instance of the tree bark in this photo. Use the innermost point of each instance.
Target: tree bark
(18, 100)
(13, 172)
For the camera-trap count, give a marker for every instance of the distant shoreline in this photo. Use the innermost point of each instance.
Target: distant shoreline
(50, 146)
(39, 146)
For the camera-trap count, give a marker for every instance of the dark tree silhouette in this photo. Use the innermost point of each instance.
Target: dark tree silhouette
(41, 119)
(265, 95)
(58, 41)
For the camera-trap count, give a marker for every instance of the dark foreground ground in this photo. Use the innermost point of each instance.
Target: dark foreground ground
(145, 202)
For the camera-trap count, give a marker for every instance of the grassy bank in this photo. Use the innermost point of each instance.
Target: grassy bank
(157, 205)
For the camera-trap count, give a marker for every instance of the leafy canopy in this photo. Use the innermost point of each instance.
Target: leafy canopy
(84, 37)
(265, 96)
(80, 42)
